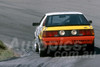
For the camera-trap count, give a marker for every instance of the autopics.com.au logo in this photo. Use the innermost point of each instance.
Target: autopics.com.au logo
(75, 49)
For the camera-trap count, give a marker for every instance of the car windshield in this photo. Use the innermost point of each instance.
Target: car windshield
(65, 20)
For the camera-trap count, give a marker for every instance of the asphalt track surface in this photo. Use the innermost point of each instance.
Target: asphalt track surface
(16, 17)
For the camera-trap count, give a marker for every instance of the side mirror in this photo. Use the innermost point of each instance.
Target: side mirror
(35, 24)
(90, 21)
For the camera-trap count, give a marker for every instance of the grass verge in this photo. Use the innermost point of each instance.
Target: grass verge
(6, 53)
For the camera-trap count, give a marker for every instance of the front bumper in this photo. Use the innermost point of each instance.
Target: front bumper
(68, 40)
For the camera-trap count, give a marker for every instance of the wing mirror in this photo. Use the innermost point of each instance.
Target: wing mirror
(90, 21)
(35, 24)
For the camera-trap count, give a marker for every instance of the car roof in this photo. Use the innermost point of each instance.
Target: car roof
(58, 13)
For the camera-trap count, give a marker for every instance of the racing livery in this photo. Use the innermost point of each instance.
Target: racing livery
(63, 28)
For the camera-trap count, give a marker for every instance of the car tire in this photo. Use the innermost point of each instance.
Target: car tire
(90, 48)
(42, 51)
(36, 47)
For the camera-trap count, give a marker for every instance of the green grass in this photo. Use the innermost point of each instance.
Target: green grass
(6, 53)
(2, 46)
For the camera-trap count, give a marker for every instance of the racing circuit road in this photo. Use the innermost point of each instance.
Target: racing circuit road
(16, 18)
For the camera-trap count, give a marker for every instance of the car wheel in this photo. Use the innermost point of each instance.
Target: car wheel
(36, 47)
(90, 48)
(42, 51)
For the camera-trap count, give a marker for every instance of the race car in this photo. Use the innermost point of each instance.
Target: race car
(63, 29)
